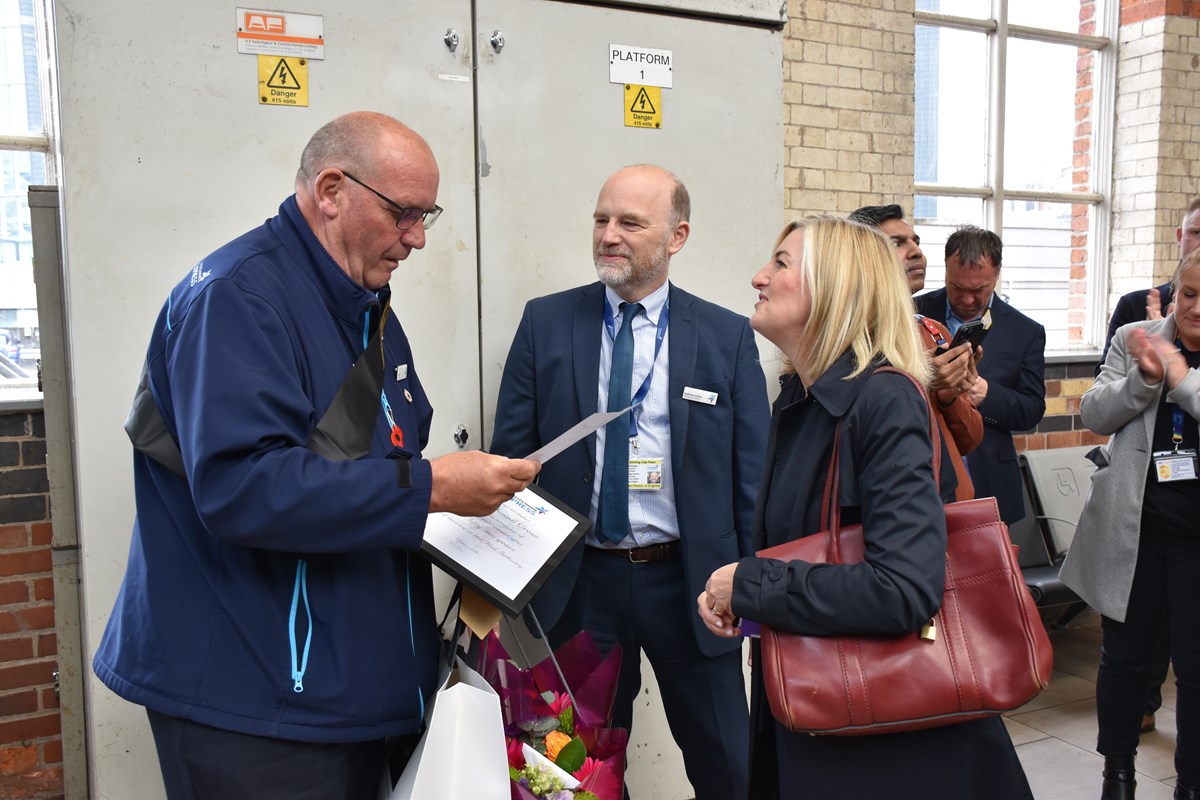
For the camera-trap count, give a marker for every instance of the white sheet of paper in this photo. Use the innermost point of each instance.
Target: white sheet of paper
(506, 548)
(575, 433)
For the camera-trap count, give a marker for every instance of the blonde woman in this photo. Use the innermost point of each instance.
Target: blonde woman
(833, 301)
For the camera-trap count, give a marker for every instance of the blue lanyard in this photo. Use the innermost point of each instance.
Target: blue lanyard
(1177, 414)
(660, 334)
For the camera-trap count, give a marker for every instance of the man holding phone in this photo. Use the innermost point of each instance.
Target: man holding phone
(954, 363)
(1010, 391)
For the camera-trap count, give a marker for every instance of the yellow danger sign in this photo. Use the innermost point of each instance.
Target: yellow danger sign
(282, 81)
(643, 106)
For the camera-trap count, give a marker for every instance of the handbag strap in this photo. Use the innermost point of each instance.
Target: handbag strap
(831, 509)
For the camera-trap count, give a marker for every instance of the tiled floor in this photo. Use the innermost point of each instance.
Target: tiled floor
(1055, 733)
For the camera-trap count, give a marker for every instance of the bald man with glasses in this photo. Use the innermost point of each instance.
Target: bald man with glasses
(275, 619)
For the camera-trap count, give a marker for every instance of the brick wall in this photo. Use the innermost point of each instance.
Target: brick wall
(1081, 178)
(1062, 427)
(848, 87)
(1157, 137)
(30, 743)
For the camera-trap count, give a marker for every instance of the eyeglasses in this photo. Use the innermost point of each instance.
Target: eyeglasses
(408, 216)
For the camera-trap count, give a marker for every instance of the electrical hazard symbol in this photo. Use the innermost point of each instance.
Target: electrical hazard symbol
(283, 77)
(282, 81)
(643, 106)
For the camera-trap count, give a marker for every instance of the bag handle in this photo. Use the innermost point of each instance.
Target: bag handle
(452, 643)
(831, 509)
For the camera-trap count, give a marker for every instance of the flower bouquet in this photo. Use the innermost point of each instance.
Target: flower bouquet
(556, 720)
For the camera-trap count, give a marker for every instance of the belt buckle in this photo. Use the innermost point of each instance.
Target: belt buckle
(633, 560)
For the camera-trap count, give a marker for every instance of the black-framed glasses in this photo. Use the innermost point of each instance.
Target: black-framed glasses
(407, 216)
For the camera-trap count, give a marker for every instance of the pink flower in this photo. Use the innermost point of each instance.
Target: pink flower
(516, 758)
(561, 700)
(586, 768)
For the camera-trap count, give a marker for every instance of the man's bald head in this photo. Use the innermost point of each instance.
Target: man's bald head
(363, 142)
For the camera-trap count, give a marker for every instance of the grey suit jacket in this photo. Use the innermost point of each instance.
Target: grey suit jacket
(1100, 563)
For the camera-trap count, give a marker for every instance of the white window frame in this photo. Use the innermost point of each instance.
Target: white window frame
(1103, 119)
(45, 142)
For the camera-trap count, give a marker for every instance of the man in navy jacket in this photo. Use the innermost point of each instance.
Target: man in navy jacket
(701, 426)
(1154, 303)
(275, 619)
(1010, 392)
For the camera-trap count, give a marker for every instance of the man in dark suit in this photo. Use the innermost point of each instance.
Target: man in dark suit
(1154, 303)
(1010, 391)
(700, 420)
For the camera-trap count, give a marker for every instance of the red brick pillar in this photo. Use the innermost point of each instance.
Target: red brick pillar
(30, 733)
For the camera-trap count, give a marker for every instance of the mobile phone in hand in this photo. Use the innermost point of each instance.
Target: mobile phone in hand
(973, 332)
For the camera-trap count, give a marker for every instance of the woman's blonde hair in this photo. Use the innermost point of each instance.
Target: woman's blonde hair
(860, 299)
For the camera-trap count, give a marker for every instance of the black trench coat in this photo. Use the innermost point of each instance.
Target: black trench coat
(886, 483)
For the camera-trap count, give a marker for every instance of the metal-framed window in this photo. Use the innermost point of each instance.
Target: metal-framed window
(1014, 129)
(26, 158)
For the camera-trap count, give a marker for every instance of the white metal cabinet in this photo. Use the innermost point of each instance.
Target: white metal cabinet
(551, 129)
(166, 154)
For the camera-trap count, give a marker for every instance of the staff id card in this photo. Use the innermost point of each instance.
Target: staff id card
(1175, 465)
(645, 474)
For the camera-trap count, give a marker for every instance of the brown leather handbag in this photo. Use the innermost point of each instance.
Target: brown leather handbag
(985, 652)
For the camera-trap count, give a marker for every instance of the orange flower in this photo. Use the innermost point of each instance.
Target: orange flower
(555, 741)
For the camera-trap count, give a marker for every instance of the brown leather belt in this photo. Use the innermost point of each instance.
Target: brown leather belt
(667, 551)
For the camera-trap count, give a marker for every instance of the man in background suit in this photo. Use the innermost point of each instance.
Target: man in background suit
(1154, 303)
(1010, 391)
(701, 423)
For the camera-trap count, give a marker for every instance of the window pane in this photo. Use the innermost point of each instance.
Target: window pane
(978, 9)
(1037, 265)
(1072, 16)
(1039, 250)
(951, 107)
(1039, 120)
(20, 89)
(20, 113)
(20, 346)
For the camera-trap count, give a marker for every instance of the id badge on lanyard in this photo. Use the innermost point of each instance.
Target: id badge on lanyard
(1177, 464)
(645, 470)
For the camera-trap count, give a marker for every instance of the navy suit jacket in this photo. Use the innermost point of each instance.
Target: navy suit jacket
(1014, 365)
(551, 381)
(1131, 308)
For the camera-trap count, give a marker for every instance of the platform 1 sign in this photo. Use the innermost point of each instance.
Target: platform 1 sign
(639, 65)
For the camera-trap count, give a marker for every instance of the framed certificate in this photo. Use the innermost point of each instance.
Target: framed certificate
(507, 555)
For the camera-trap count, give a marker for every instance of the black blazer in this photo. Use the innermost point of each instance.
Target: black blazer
(1131, 308)
(1014, 365)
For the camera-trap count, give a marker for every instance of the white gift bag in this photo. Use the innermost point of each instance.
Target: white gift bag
(461, 755)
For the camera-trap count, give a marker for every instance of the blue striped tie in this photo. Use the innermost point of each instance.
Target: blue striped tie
(613, 522)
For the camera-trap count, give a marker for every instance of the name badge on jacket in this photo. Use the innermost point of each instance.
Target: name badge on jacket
(699, 396)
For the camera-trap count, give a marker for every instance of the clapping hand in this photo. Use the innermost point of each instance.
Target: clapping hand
(1156, 357)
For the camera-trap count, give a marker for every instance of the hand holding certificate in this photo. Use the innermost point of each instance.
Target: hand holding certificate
(507, 555)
